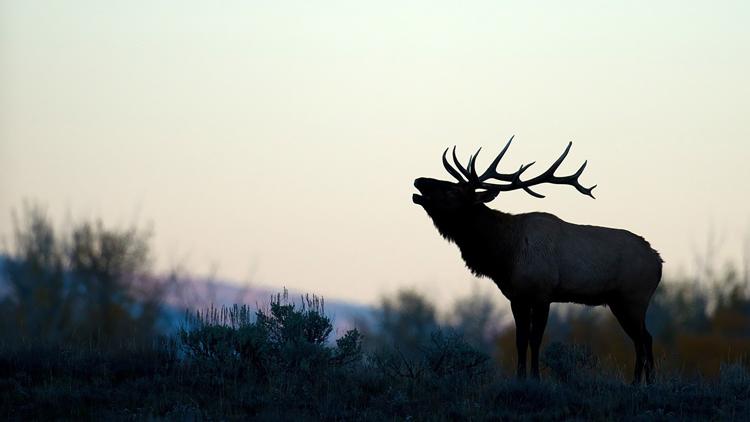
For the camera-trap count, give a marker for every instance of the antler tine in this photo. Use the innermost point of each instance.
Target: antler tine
(514, 178)
(472, 167)
(517, 180)
(492, 173)
(551, 170)
(492, 169)
(461, 168)
(574, 178)
(532, 193)
(469, 173)
(450, 169)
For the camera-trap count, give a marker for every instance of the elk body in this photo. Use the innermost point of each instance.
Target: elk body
(537, 258)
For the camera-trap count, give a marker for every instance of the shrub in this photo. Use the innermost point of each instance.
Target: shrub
(569, 361)
(447, 355)
(450, 355)
(285, 341)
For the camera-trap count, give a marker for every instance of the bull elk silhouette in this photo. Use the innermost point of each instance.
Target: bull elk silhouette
(536, 258)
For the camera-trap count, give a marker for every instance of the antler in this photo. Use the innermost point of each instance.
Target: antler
(514, 179)
(462, 174)
(549, 177)
(469, 174)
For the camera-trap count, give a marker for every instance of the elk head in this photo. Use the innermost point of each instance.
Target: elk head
(471, 189)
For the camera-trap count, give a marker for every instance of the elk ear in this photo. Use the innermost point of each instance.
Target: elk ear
(486, 196)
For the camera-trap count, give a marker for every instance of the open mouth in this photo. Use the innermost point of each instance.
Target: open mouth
(419, 198)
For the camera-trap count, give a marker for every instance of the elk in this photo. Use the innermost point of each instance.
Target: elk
(536, 258)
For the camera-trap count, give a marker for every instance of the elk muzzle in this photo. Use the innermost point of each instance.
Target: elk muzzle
(417, 198)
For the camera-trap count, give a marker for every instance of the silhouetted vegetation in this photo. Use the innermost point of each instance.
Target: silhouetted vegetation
(81, 340)
(91, 285)
(280, 363)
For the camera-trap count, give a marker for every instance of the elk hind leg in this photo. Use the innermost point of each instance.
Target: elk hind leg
(632, 319)
(649, 355)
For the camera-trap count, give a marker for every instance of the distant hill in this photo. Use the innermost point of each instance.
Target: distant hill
(191, 294)
(195, 293)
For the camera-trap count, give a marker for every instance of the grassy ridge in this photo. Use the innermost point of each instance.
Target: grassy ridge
(280, 364)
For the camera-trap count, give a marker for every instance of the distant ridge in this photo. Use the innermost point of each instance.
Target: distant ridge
(191, 294)
(199, 293)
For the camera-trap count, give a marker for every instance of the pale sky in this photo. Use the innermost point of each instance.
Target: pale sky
(276, 142)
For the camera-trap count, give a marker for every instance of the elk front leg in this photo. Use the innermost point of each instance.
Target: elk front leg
(539, 315)
(522, 315)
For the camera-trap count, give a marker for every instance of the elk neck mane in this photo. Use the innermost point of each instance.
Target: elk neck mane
(487, 238)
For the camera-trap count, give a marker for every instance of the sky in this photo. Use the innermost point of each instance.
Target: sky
(275, 143)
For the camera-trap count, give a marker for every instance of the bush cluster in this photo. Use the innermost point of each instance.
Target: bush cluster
(286, 340)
